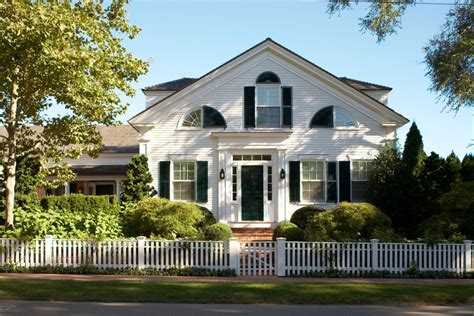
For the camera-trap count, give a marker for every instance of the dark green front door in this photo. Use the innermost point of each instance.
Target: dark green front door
(252, 193)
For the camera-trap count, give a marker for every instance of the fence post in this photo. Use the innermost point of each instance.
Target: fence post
(141, 251)
(280, 256)
(375, 254)
(234, 255)
(468, 254)
(48, 250)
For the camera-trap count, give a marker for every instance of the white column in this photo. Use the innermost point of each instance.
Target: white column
(48, 250)
(117, 189)
(282, 186)
(280, 256)
(234, 255)
(222, 217)
(375, 253)
(67, 189)
(468, 254)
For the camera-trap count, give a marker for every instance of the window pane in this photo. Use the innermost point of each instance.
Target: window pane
(268, 77)
(268, 96)
(183, 170)
(268, 117)
(359, 191)
(237, 157)
(184, 191)
(361, 170)
(234, 183)
(313, 170)
(313, 191)
(193, 119)
(323, 118)
(343, 118)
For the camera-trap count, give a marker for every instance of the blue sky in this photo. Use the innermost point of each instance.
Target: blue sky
(189, 38)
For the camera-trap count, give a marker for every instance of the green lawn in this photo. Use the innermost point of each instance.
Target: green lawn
(217, 292)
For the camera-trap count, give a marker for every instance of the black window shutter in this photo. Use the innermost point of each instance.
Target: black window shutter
(294, 181)
(344, 181)
(332, 182)
(249, 106)
(287, 104)
(164, 179)
(202, 182)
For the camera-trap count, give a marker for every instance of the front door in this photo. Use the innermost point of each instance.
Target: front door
(252, 193)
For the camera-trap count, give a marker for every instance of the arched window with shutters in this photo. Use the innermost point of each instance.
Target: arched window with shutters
(332, 116)
(268, 104)
(203, 117)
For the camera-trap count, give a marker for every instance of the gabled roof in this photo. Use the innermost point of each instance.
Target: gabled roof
(122, 139)
(173, 85)
(268, 43)
(179, 84)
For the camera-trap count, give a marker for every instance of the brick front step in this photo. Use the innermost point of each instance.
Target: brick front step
(253, 234)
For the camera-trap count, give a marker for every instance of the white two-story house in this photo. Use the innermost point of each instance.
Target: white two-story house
(263, 135)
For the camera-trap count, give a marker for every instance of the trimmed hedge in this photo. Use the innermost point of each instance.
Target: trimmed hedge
(218, 232)
(302, 216)
(289, 231)
(80, 203)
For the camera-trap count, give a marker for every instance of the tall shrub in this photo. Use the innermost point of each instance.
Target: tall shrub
(136, 185)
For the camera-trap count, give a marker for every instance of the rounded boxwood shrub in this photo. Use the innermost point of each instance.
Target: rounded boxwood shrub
(218, 232)
(349, 222)
(289, 231)
(302, 216)
(162, 218)
(320, 227)
(208, 218)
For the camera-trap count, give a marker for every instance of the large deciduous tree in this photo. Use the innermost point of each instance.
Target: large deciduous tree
(65, 55)
(449, 54)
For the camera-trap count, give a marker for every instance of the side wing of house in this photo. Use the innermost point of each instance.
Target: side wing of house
(263, 135)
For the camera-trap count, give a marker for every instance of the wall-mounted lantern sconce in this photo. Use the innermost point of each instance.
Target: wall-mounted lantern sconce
(222, 174)
(282, 173)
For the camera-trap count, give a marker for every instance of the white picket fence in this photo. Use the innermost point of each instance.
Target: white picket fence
(255, 258)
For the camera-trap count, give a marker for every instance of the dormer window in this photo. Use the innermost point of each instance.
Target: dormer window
(332, 116)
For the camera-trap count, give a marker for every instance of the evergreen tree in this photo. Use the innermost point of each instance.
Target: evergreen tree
(383, 188)
(453, 169)
(467, 168)
(412, 194)
(137, 186)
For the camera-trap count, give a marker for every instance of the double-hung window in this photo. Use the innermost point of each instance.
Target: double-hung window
(268, 106)
(361, 170)
(184, 181)
(313, 181)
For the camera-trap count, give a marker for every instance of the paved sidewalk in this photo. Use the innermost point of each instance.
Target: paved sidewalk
(82, 277)
(71, 308)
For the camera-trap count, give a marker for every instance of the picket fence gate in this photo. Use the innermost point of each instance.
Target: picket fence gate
(281, 257)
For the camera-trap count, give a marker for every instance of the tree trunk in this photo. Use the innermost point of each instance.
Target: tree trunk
(10, 172)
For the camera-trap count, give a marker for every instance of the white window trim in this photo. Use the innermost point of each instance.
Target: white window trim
(173, 180)
(324, 181)
(271, 85)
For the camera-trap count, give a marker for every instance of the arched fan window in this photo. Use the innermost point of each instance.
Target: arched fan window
(204, 116)
(332, 116)
(268, 77)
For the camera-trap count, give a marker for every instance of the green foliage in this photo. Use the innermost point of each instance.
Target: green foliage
(218, 232)
(161, 218)
(79, 203)
(449, 58)
(448, 55)
(303, 215)
(413, 154)
(467, 168)
(320, 227)
(92, 270)
(289, 231)
(349, 222)
(207, 220)
(439, 228)
(137, 186)
(36, 222)
(67, 54)
(459, 205)
(384, 190)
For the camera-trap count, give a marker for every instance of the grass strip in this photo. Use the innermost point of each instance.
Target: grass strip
(220, 292)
